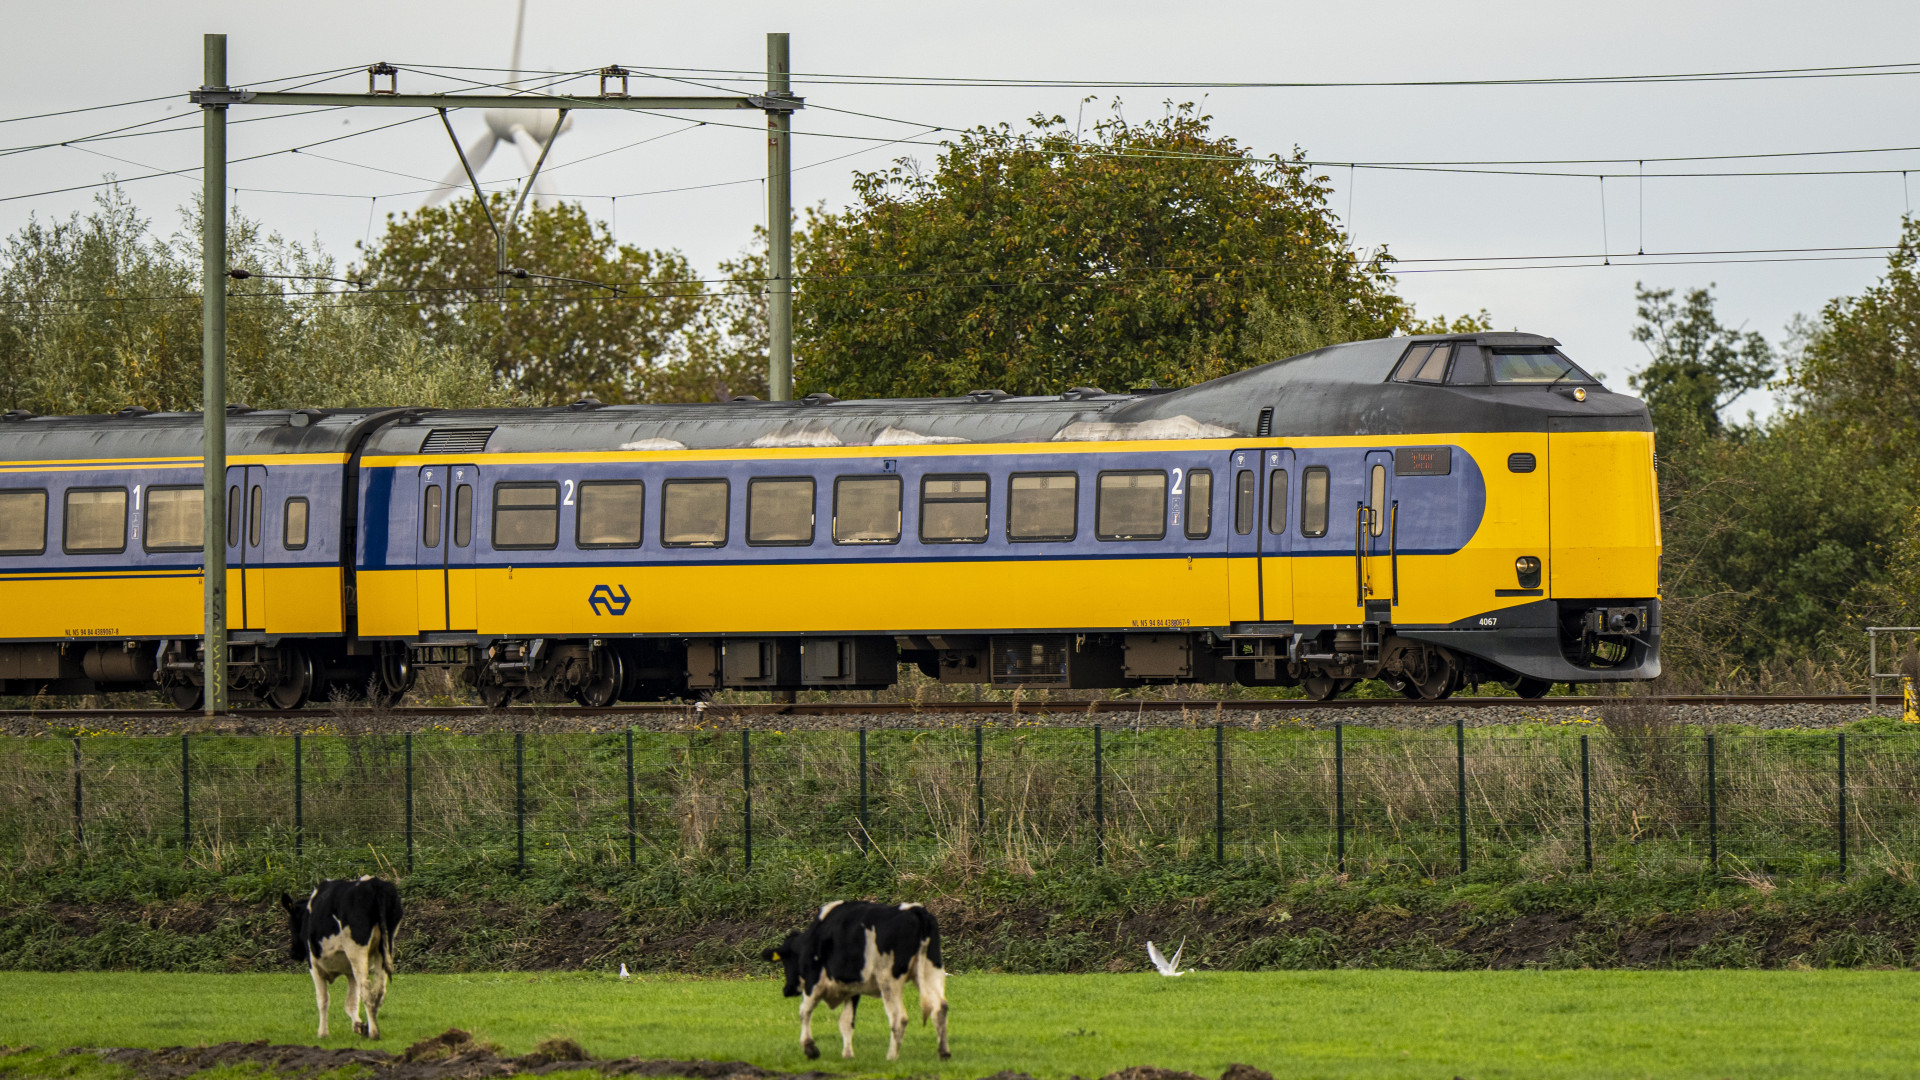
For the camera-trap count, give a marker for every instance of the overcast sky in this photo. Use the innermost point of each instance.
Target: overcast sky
(83, 53)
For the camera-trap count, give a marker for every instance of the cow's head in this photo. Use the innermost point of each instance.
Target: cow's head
(790, 953)
(297, 925)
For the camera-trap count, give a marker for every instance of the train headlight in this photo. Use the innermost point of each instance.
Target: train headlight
(1579, 393)
(1527, 568)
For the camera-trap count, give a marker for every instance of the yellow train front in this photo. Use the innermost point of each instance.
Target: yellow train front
(1430, 511)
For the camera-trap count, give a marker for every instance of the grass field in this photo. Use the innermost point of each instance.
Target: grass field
(1533, 1024)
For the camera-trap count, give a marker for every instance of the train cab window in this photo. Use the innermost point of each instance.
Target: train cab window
(780, 511)
(1425, 363)
(1277, 501)
(1131, 506)
(432, 515)
(23, 522)
(953, 510)
(96, 520)
(1042, 506)
(693, 513)
(1199, 504)
(526, 516)
(1243, 494)
(293, 533)
(1313, 500)
(233, 516)
(610, 514)
(253, 517)
(463, 515)
(1377, 500)
(866, 510)
(1534, 366)
(175, 518)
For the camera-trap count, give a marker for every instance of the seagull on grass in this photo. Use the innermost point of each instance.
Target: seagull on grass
(623, 972)
(1169, 968)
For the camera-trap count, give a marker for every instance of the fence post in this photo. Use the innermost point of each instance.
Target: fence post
(979, 780)
(1219, 793)
(1843, 804)
(1460, 764)
(633, 857)
(1340, 793)
(1099, 804)
(186, 796)
(299, 800)
(1713, 810)
(746, 790)
(1586, 803)
(520, 797)
(79, 830)
(864, 837)
(409, 744)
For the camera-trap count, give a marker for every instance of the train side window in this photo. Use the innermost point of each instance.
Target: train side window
(1243, 492)
(693, 513)
(1130, 506)
(953, 510)
(1425, 363)
(431, 516)
(1277, 501)
(463, 515)
(233, 516)
(1043, 506)
(780, 511)
(526, 516)
(175, 518)
(23, 522)
(253, 517)
(1199, 504)
(866, 510)
(1377, 500)
(96, 520)
(610, 514)
(294, 533)
(1313, 501)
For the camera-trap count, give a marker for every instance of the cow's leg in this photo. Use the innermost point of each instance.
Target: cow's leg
(357, 975)
(846, 1026)
(893, 997)
(807, 1005)
(932, 982)
(320, 981)
(375, 992)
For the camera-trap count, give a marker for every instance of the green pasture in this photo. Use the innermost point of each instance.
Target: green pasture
(1532, 1024)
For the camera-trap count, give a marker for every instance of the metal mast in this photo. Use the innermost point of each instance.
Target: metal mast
(213, 367)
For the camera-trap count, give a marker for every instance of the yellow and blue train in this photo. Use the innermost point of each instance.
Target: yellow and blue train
(1431, 511)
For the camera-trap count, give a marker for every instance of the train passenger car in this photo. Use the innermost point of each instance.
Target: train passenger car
(1431, 511)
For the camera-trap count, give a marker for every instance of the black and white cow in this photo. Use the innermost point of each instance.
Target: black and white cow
(856, 948)
(347, 928)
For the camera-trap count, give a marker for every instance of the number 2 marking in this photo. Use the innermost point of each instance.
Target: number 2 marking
(568, 500)
(1177, 478)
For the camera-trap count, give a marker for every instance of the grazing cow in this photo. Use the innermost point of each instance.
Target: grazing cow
(856, 948)
(347, 928)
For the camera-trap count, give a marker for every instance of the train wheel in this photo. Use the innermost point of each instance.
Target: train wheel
(186, 696)
(292, 691)
(1529, 688)
(1323, 688)
(603, 686)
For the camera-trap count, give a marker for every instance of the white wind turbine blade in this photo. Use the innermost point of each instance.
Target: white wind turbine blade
(519, 32)
(530, 152)
(456, 180)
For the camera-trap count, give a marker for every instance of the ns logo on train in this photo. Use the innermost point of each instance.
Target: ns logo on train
(604, 600)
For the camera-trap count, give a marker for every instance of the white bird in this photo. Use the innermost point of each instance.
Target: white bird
(1169, 968)
(526, 129)
(623, 972)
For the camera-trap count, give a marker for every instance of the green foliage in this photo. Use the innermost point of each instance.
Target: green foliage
(97, 314)
(1698, 366)
(594, 317)
(1034, 261)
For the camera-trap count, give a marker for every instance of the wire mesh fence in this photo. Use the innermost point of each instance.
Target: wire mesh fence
(1611, 798)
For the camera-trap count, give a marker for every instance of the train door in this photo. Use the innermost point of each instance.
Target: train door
(1245, 594)
(443, 547)
(246, 551)
(1276, 565)
(1378, 523)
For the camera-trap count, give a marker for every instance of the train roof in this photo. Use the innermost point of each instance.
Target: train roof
(1342, 389)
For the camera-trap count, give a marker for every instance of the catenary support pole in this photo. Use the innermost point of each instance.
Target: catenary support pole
(1099, 803)
(1713, 810)
(864, 835)
(1586, 802)
(1460, 779)
(633, 819)
(520, 798)
(746, 793)
(779, 226)
(1340, 794)
(79, 828)
(1219, 793)
(299, 800)
(213, 373)
(409, 748)
(1843, 803)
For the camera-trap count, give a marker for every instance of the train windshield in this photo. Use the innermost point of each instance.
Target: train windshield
(1534, 366)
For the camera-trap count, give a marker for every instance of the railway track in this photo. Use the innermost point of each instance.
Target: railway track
(1095, 707)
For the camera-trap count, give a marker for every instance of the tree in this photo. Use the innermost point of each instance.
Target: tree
(1860, 365)
(1035, 261)
(1698, 366)
(594, 317)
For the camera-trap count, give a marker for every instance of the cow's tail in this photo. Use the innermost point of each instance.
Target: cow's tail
(928, 975)
(388, 911)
